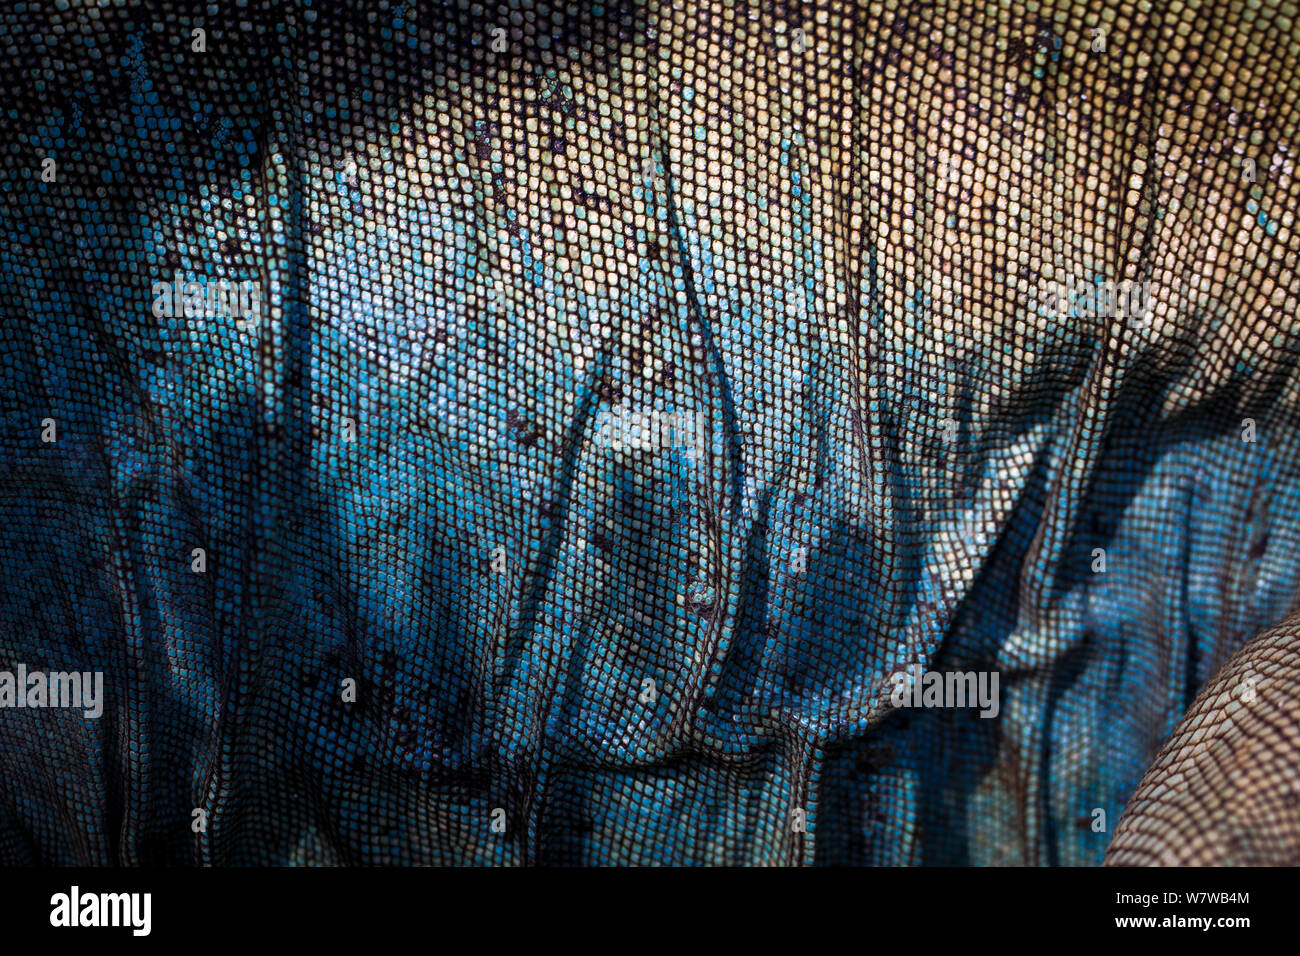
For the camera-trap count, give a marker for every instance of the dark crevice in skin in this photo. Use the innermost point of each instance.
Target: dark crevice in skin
(1068, 671)
(733, 453)
(734, 460)
(538, 580)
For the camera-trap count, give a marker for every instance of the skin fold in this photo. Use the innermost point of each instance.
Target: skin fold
(862, 254)
(1225, 790)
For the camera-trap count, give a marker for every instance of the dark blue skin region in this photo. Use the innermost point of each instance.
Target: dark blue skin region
(441, 619)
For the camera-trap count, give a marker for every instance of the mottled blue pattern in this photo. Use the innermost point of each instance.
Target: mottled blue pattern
(465, 262)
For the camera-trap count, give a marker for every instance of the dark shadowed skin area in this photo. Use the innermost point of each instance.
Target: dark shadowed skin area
(831, 232)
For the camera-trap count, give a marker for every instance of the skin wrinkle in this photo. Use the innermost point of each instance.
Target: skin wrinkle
(466, 256)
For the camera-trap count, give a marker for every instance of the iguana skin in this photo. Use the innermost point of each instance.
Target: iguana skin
(834, 248)
(1225, 790)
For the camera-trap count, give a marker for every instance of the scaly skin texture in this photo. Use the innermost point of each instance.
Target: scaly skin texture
(827, 230)
(1226, 788)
